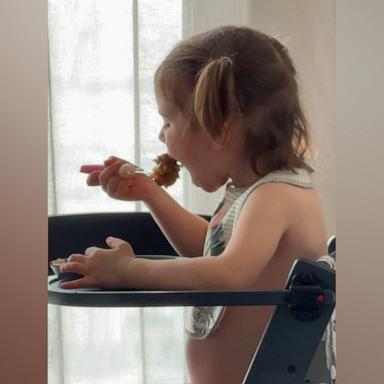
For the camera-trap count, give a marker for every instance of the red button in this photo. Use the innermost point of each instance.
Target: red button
(320, 298)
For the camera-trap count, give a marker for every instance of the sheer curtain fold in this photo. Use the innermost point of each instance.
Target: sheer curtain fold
(102, 57)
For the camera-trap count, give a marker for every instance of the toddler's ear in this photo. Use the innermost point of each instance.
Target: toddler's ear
(224, 137)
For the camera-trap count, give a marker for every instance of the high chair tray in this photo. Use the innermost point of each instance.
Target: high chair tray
(96, 297)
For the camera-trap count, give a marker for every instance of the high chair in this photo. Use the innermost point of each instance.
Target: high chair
(291, 350)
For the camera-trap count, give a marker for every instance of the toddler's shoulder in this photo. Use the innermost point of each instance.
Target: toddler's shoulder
(280, 192)
(282, 200)
(270, 200)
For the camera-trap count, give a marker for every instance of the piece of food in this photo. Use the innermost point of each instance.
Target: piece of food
(166, 171)
(58, 261)
(63, 276)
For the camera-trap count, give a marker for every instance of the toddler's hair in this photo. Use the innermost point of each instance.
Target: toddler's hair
(241, 76)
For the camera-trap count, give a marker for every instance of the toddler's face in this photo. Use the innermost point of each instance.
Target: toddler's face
(193, 147)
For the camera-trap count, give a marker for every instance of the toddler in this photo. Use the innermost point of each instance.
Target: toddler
(232, 116)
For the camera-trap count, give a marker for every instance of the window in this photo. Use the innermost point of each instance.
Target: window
(102, 58)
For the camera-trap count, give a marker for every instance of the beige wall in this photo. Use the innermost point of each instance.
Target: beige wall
(308, 28)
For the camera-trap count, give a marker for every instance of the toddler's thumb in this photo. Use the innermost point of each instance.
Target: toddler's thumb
(114, 242)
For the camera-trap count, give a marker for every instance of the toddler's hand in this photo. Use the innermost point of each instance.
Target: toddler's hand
(103, 268)
(122, 185)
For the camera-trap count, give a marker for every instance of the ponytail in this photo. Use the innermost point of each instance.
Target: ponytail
(214, 95)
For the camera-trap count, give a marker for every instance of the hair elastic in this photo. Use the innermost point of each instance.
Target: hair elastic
(226, 59)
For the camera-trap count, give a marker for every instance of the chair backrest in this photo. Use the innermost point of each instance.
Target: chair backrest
(69, 234)
(74, 233)
(292, 350)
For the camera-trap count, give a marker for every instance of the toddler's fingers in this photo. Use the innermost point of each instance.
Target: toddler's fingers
(111, 160)
(115, 242)
(93, 179)
(76, 258)
(91, 250)
(74, 267)
(83, 282)
(112, 185)
(108, 172)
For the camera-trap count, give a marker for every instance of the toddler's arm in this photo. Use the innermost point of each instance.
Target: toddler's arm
(184, 230)
(262, 222)
(251, 248)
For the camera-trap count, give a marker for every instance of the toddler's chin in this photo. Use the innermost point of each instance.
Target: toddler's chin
(211, 185)
(205, 186)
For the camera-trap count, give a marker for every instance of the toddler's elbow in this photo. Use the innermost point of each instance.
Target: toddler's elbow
(239, 284)
(230, 277)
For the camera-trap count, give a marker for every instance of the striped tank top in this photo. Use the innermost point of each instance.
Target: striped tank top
(201, 321)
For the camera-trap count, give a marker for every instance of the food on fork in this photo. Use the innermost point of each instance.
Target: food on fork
(165, 173)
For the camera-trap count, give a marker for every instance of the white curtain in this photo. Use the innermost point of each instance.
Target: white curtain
(102, 57)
